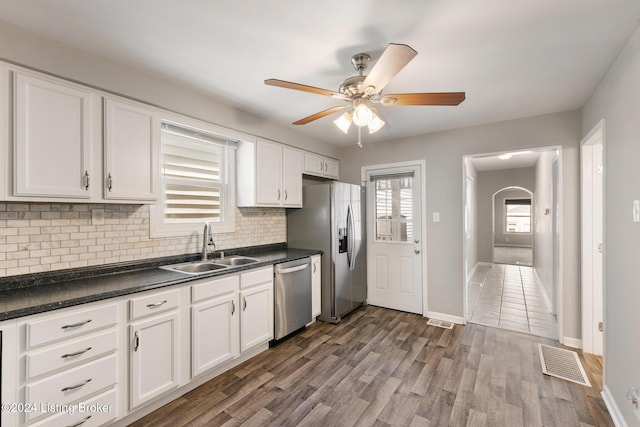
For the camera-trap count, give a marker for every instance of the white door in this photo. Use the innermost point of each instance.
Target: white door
(53, 143)
(394, 238)
(132, 138)
(592, 241)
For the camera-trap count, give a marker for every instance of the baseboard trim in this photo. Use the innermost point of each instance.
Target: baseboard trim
(545, 295)
(446, 317)
(572, 342)
(507, 245)
(613, 409)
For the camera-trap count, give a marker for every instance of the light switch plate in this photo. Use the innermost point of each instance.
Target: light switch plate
(636, 211)
(436, 217)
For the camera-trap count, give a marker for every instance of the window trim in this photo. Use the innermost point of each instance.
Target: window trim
(504, 216)
(157, 227)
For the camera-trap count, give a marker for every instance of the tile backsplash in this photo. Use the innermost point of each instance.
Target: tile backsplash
(36, 237)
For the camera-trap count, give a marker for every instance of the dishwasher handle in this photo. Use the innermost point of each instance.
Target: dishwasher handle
(293, 269)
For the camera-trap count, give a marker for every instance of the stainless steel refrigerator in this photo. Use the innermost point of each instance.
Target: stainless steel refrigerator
(332, 219)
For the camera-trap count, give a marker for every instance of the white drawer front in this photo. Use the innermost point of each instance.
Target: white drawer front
(153, 304)
(93, 412)
(78, 322)
(256, 277)
(213, 288)
(69, 354)
(73, 384)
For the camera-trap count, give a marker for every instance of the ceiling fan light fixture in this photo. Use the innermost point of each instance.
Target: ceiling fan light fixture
(362, 115)
(343, 122)
(375, 124)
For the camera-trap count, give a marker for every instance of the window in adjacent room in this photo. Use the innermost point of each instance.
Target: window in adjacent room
(517, 214)
(197, 182)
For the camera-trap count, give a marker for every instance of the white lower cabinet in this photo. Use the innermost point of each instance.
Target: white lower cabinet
(215, 324)
(256, 317)
(154, 345)
(316, 286)
(66, 360)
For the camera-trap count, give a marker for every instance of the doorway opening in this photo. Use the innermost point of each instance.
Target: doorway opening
(512, 237)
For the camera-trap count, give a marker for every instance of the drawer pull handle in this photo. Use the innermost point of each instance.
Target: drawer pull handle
(156, 304)
(79, 423)
(75, 325)
(77, 353)
(73, 387)
(233, 307)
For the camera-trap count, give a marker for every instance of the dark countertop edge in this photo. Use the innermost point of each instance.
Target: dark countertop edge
(42, 308)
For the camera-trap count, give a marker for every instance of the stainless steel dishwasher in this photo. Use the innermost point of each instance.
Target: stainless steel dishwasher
(292, 296)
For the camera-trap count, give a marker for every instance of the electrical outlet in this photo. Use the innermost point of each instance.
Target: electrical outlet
(97, 216)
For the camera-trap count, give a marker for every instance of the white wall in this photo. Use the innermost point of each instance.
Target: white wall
(488, 183)
(471, 201)
(543, 225)
(444, 152)
(617, 100)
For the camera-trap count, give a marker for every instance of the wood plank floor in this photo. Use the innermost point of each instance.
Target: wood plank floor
(383, 367)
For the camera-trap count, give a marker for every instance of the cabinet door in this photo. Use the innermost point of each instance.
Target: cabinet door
(313, 164)
(268, 173)
(331, 168)
(154, 358)
(256, 319)
(215, 330)
(52, 145)
(316, 286)
(131, 150)
(292, 177)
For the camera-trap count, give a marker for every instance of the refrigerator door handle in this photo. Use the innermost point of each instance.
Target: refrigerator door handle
(351, 237)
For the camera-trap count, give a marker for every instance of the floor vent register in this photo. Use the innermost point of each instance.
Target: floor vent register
(440, 323)
(561, 363)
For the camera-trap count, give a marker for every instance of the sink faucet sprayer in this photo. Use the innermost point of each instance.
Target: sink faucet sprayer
(207, 240)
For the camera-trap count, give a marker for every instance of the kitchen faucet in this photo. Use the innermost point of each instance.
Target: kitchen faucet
(207, 239)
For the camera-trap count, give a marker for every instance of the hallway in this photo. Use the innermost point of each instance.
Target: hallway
(508, 297)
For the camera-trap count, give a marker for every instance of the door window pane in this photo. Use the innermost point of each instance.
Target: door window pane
(394, 209)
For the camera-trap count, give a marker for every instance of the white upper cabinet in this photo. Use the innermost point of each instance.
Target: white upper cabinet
(131, 151)
(269, 175)
(52, 139)
(317, 165)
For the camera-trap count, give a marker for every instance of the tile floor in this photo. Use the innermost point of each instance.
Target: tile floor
(510, 298)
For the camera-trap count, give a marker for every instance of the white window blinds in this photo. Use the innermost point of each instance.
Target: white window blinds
(194, 174)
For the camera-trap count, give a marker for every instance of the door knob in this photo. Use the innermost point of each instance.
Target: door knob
(416, 241)
(417, 251)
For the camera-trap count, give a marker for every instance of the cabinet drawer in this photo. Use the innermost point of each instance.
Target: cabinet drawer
(69, 325)
(72, 384)
(153, 304)
(93, 412)
(213, 288)
(68, 354)
(256, 277)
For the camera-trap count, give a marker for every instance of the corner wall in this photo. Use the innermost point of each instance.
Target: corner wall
(617, 100)
(444, 153)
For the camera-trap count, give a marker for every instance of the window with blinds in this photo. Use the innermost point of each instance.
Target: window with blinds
(196, 186)
(394, 208)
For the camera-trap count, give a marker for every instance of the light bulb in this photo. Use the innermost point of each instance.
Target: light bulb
(362, 115)
(375, 124)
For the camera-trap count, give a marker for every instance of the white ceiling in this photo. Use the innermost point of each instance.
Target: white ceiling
(512, 58)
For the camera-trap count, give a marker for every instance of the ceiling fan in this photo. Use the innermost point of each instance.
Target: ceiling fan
(363, 92)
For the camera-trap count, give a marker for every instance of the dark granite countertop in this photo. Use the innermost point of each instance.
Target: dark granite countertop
(37, 293)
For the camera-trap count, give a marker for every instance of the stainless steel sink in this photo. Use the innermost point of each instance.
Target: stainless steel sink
(196, 267)
(236, 260)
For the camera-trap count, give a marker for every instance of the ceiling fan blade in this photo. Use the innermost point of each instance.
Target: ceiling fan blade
(320, 115)
(304, 88)
(441, 98)
(393, 59)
